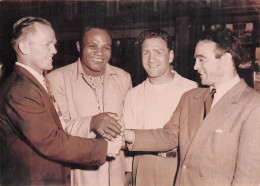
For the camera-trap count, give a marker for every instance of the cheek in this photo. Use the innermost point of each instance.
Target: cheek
(108, 54)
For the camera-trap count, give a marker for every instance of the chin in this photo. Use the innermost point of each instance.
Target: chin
(49, 68)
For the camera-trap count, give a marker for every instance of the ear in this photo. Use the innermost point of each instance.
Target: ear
(226, 59)
(171, 57)
(23, 47)
(78, 46)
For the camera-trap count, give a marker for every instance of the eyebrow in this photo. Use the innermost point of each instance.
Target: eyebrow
(92, 42)
(198, 56)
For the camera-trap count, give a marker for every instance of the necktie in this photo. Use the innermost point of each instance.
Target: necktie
(208, 102)
(55, 103)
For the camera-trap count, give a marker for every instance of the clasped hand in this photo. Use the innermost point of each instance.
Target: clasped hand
(110, 128)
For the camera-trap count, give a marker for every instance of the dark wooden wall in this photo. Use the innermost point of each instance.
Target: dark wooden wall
(183, 19)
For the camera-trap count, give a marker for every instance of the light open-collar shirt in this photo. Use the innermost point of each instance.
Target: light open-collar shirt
(223, 89)
(38, 76)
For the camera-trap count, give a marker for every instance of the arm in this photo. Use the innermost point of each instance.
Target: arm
(130, 123)
(248, 158)
(163, 139)
(79, 126)
(103, 123)
(32, 120)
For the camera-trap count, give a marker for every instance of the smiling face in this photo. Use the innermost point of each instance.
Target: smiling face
(95, 50)
(156, 58)
(40, 48)
(207, 65)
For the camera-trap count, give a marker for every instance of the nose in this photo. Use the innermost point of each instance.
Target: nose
(197, 65)
(152, 57)
(53, 49)
(98, 51)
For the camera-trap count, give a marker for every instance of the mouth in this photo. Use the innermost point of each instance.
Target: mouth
(97, 60)
(49, 58)
(152, 66)
(202, 75)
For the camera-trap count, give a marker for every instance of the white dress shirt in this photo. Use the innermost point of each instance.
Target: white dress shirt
(223, 89)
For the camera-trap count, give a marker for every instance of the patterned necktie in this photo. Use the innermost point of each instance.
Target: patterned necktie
(55, 103)
(208, 102)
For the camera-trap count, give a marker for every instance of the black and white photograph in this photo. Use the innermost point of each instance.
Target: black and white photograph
(130, 92)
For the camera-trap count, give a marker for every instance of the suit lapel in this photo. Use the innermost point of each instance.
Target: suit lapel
(47, 100)
(217, 116)
(196, 112)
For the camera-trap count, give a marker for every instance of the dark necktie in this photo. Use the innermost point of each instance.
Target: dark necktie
(208, 102)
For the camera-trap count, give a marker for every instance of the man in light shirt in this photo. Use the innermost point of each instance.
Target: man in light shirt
(151, 104)
(90, 93)
(34, 148)
(222, 147)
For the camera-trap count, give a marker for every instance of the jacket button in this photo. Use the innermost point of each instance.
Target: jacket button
(68, 177)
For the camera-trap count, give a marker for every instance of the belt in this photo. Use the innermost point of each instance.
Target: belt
(168, 154)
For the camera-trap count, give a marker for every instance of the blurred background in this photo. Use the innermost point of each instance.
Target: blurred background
(183, 19)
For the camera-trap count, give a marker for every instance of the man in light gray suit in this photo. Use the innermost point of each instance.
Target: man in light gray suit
(222, 147)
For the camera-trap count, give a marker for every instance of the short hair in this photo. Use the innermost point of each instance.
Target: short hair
(24, 26)
(226, 42)
(85, 29)
(154, 33)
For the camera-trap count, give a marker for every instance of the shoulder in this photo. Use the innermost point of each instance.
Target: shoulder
(187, 83)
(194, 92)
(61, 71)
(136, 92)
(118, 71)
(23, 88)
(250, 95)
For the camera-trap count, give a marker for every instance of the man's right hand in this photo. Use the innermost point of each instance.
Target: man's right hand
(106, 125)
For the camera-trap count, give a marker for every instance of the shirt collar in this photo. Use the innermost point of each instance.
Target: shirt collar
(78, 71)
(177, 79)
(223, 89)
(38, 76)
(227, 86)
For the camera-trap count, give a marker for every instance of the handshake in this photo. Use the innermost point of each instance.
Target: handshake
(108, 126)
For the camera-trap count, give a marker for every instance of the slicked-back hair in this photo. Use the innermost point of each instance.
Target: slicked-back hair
(85, 29)
(226, 42)
(24, 26)
(154, 33)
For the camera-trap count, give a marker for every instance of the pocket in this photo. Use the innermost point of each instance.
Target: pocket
(224, 145)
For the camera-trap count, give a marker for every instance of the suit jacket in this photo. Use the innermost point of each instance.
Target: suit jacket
(34, 148)
(221, 150)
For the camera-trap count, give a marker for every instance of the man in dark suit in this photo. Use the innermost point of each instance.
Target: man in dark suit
(34, 148)
(220, 147)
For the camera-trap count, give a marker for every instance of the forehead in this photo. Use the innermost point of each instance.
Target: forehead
(42, 31)
(96, 34)
(155, 42)
(205, 47)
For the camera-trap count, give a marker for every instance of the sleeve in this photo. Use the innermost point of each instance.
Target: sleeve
(76, 127)
(32, 120)
(117, 167)
(128, 113)
(248, 158)
(163, 139)
(128, 118)
(129, 80)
